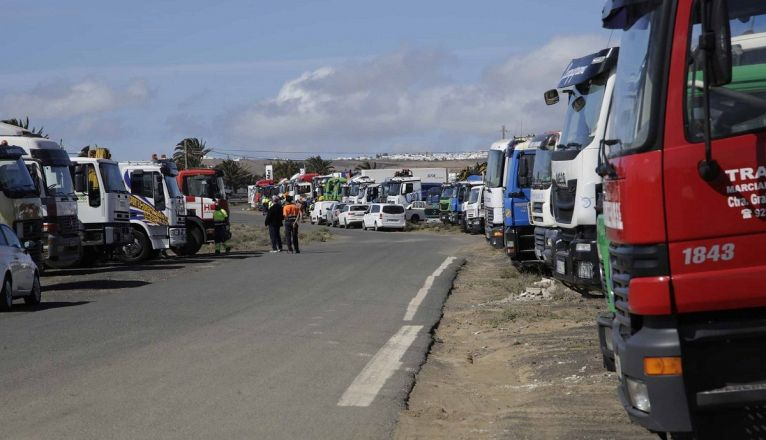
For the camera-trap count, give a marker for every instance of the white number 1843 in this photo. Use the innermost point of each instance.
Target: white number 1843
(702, 254)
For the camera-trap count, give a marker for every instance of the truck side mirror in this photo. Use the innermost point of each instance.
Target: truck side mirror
(79, 179)
(717, 40)
(551, 97)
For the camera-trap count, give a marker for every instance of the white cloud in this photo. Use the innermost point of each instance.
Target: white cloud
(66, 100)
(407, 98)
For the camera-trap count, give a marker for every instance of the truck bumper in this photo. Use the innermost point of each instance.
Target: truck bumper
(444, 216)
(475, 225)
(107, 234)
(62, 251)
(576, 262)
(669, 410)
(455, 218)
(177, 236)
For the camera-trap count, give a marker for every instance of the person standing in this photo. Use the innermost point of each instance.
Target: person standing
(274, 220)
(221, 234)
(292, 215)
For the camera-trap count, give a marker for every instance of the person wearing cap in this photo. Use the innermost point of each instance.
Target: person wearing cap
(292, 215)
(274, 218)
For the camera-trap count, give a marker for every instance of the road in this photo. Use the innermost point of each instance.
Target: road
(314, 345)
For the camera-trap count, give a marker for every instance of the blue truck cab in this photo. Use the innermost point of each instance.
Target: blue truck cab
(459, 195)
(519, 233)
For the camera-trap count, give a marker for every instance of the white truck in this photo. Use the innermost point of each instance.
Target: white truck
(102, 204)
(540, 210)
(157, 208)
(48, 165)
(473, 210)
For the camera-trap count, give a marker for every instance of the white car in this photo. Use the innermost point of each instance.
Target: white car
(320, 211)
(20, 276)
(416, 211)
(334, 214)
(352, 215)
(384, 216)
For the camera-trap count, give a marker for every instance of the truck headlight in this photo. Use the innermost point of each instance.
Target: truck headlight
(582, 247)
(585, 270)
(639, 395)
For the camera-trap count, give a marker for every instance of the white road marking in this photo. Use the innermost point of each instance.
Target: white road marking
(412, 308)
(380, 368)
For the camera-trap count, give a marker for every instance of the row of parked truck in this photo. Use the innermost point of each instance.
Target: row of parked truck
(73, 209)
(653, 192)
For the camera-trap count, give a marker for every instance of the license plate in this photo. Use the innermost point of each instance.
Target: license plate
(392, 220)
(561, 267)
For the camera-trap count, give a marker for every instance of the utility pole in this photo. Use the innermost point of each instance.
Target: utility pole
(503, 131)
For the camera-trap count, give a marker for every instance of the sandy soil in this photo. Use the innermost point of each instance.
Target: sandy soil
(505, 365)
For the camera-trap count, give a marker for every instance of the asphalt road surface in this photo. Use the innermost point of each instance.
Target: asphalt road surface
(324, 344)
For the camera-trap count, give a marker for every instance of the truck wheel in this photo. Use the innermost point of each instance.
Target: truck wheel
(194, 241)
(139, 250)
(36, 295)
(6, 296)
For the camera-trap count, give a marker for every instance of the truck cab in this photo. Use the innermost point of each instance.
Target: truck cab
(474, 210)
(684, 180)
(157, 208)
(444, 201)
(540, 210)
(20, 205)
(203, 189)
(102, 203)
(518, 233)
(48, 165)
(587, 83)
(404, 190)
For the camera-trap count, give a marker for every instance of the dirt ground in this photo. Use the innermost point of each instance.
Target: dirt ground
(513, 362)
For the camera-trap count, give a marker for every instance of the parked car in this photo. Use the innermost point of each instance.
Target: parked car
(21, 278)
(332, 216)
(384, 216)
(352, 215)
(320, 211)
(416, 211)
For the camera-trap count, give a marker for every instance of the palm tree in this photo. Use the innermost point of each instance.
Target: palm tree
(367, 165)
(234, 174)
(286, 169)
(189, 153)
(318, 165)
(24, 123)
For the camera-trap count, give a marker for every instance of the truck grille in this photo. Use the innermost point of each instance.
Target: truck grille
(630, 262)
(68, 225)
(490, 216)
(563, 199)
(536, 213)
(444, 206)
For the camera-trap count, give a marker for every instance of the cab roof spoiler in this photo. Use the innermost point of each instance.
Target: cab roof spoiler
(622, 14)
(11, 152)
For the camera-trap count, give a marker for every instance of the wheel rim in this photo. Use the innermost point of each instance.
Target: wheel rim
(134, 249)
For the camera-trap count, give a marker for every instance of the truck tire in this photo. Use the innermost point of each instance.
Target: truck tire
(36, 295)
(6, 296)
(194, 240)
(138, 251)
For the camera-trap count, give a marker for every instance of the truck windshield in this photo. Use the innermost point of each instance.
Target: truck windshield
(474, 197)
(15, 180)
(740, 106)
(636, 86)
(495, 168)
(447, 192)
(110, 174)
(541, 173)
(580, 125)
(172, 186)
(58, 180)
(394, 188)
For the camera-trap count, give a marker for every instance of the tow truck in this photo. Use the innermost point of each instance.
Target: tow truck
(684, 181)
(102, 204)
(588, 82)
(48, 165)
(203, 189)
(540, 211)
(157, 208)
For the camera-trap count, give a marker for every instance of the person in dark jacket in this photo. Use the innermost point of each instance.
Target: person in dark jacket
(274, 219)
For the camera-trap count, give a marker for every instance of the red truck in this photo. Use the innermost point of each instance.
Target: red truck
(684, 163)
(203, 188)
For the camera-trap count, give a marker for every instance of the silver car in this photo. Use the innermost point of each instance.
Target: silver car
(20, 276)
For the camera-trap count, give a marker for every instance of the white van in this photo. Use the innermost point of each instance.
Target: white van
(384, 216)
(319, 215)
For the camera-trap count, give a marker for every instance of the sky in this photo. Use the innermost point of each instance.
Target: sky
(290, 78)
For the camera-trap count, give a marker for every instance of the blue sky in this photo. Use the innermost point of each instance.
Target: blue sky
(311, 76)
